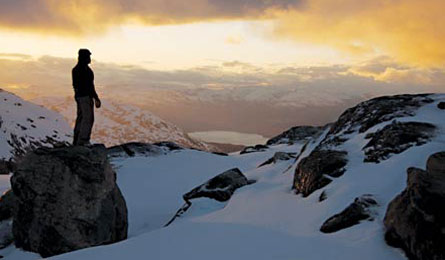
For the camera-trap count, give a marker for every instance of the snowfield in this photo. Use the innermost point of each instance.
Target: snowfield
(25, 124)
(264, 220)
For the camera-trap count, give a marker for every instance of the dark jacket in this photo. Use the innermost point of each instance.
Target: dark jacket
(83, 81)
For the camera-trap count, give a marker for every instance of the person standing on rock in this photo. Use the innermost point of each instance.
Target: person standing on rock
(86, 98)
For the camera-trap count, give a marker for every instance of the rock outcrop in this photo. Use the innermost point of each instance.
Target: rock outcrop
(396, 138)
(219, 188)
(67, 199)
(415, 219)
(254, 149)
(311, 172)
(296, 134)
(328, 159)
(279, 156)
(352, 215)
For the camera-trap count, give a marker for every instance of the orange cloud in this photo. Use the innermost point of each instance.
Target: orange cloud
(411, 31)
(86, 16)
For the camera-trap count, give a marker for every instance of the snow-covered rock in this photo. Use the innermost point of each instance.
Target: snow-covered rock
(122, 123)
(24, 125)
(296, 134)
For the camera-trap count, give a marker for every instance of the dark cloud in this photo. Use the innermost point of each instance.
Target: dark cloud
(93, 15)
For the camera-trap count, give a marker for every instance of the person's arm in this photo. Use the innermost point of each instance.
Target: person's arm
(93, 93)
(75, 78)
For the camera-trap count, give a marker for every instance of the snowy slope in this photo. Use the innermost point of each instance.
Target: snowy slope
(119, 123)
(265, 220)
(23, 124)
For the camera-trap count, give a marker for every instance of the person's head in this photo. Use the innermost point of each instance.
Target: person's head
(84, 56)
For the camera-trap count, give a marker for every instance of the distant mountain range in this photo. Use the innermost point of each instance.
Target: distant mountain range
(120, 123)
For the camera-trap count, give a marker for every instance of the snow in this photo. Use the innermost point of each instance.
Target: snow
(29, 123)
(264, 220)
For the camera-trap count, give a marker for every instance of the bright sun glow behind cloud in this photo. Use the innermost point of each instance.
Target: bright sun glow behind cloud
(177, 46)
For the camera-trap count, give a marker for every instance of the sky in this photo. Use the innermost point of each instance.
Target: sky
(311, 55)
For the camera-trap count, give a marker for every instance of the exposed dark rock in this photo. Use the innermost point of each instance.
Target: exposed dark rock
(296, 134)
(441, 105)
(219, 188)
(370, 113)
(135, 148)
(220, 153)
(396, 138)
(352, 215)
(377, 110)
(8, 204)
(253, 149)
(170, 145)
(311, 170)
(415, 219)
(279, 156)
(67, 199)
(322, 196)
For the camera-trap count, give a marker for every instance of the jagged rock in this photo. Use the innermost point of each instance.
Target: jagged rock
(396, 138)
(415, 219)
(441, 105)
(8, 204)
(253, 149)
(311, 170)
(279, 156)
(377, 110)
(352, 215)
(219, 188)
(296, 134)
(370, 113)
(322, 196)
(67, 199)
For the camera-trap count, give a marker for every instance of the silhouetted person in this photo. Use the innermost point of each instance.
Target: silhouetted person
(85, 96)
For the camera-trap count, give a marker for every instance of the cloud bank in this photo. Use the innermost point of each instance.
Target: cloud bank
(255, 100)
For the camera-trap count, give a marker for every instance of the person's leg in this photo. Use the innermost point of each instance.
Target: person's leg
(78, 123)
(86, 125)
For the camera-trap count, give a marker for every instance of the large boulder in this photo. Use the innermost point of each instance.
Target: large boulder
(67, 199)
(357, 211)
(310, 174)
(415, 219)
